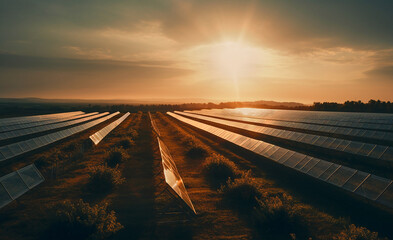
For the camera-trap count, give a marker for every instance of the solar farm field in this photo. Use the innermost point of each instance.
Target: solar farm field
(204, 174)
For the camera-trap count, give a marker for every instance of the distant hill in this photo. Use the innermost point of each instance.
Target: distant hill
(144, 101)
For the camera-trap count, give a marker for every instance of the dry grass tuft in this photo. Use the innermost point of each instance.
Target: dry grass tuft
(79, 220)
(103, 179)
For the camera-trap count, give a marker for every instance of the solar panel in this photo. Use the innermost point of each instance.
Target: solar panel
(25, 126)
(386, 198)
(352, 147)
(153, 124)
(31, 176)
(15, 184)
(5, 197)
(98, 136)
(359, 120)
(38, 129)
(28, 119)
(12, 150)
(172, 177)
(342, 130)
(373, 186)
(364, 184)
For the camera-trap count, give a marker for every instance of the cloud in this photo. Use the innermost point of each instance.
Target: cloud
(294, 26)
(73, 78)
(381, 72)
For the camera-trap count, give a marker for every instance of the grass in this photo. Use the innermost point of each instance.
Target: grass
(241, 193)
(194, 148)
(196, 151)
(218, 169)
(103, 179)
(126, 143)
(277, 216)
(79, 220)
(115, 157)
(356, 233)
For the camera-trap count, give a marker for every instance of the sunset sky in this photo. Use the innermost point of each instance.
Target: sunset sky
(304, 51)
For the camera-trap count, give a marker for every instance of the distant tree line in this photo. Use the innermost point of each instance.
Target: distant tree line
(17, 109)
(377, 106)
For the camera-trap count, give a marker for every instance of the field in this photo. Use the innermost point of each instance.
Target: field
(261, 199)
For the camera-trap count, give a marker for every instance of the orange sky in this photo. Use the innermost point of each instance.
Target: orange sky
(219, 50)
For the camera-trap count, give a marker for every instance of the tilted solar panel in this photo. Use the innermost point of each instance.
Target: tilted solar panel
(36, 118)
(172, 176)
(367, 185)
(38, 129)
(15, 149)
(98, 136)
(15, 184)
(44, 122)
(384, 153)
(153, 124)
(338, 119)
(345, 131)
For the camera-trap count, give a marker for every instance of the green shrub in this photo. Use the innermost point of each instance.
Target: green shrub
(242, 192)
(79, 220)
(272, 215)
(115, 157)
(104, 179)
(218, 169)
(357, 233)
(126, 143)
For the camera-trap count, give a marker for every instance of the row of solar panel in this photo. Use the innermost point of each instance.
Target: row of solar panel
(384, 153)
(172, 176)
(16, 149)
(154, 125)
(379, 118)
(367, 185)
(291, 116)
(98, 136)
(36, 118)
(15, 184)
(33, 130)
(353, 132)
(44, 122)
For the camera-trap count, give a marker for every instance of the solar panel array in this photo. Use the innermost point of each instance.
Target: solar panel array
(172, 176)
(15, 184)
(44, 122)
(154, 125)
(43, 128)
(16, 149)
(380, 152)
(377, 121)
(98, 136)
(36, 118)
(347, 131)
(372, 187)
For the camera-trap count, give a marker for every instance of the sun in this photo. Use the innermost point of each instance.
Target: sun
(232, 59)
